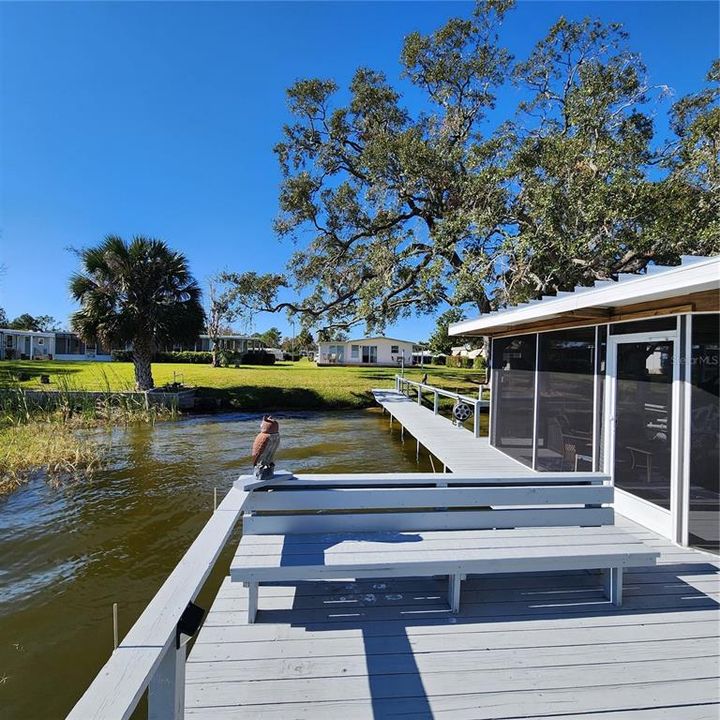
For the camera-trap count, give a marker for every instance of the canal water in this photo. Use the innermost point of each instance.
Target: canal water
(67, 553)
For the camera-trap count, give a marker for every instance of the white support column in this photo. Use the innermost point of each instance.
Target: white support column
(436, 403)
(476, 419)
(252, 602)
(613, 585)
(166, 691)
(454, 582)
(419, 395)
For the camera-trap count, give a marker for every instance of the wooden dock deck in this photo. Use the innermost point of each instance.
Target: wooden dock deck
(543, 645)
(454, 446)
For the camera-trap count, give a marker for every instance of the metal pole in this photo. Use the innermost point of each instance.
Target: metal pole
(115, 626)
(419, 394)
(476, 419)
(417, 451)
(436, 403)
(214, 499)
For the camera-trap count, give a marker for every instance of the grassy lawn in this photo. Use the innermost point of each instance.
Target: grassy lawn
(301, 385)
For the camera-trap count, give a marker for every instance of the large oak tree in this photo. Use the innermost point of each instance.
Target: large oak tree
(397, 213)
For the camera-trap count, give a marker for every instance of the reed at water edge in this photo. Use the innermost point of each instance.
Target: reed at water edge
(44, 433)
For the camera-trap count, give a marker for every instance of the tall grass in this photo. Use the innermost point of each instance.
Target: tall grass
(41, 432)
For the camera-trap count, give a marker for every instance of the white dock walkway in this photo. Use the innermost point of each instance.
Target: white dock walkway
(454, 446)
(544, 645)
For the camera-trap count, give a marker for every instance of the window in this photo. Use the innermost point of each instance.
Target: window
(704, 505)
(8, 341)
(336, 353)
(638, 326)
(369, 353)
(566, 383)
(513, 396)
(68, 344)
(394, 350)
(355, 352)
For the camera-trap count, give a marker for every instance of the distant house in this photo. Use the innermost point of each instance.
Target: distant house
(31, 345)
(234, 343)
(367, 351)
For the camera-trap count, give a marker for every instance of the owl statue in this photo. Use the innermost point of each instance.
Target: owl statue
(264, 448)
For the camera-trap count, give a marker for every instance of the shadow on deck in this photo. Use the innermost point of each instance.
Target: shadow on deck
(533, 645)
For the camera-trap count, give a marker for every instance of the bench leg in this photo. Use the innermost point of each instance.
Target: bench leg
(454, 582)
(613, 584)
(252, 601)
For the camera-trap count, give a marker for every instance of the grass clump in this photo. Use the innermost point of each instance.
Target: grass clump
(41, 432)
(48, 448)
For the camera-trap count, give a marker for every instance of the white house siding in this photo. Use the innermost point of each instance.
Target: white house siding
(366, 351)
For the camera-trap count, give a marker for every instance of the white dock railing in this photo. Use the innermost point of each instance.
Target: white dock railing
(148, 656)
(403, 385)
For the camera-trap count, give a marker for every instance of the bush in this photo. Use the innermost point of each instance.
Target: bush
(439, 360)
(183, 356)
(459, 362)
(257, 357)
(479, 363)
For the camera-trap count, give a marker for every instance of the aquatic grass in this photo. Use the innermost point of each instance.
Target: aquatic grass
(51, 449)
(42, 432)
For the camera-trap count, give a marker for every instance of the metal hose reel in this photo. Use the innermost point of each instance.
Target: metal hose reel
(461, 411)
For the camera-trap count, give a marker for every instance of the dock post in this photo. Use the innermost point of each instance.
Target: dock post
(166, 691)
(436, 403)
(476, 420)
(115, 627)
(419, 395)
(417, 451)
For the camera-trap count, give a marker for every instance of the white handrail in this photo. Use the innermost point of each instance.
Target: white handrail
(147, 656)
(476, 403)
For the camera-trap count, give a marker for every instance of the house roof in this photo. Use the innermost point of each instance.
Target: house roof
(29, 333)
(660, 282)
(375, 337)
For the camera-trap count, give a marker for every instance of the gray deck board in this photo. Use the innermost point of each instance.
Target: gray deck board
(539, 645)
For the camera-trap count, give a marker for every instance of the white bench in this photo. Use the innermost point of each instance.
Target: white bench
(294, 531)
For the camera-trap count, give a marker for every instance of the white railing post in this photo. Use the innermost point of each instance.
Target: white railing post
(436, 402)
(476, 419)
(419, 394)
(166, 690)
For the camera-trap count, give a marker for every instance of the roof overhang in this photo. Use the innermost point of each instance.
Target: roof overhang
(694, 275)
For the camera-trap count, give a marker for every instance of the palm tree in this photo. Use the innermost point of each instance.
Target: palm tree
(139, 293)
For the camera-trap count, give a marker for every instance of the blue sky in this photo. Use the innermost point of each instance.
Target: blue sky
(160, 118)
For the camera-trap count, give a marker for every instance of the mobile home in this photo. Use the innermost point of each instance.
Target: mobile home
(366, 351)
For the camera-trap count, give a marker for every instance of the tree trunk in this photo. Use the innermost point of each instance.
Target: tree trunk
(215, 362)
(142, 359)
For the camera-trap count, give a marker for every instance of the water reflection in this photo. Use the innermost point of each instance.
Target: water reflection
(68, 553)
